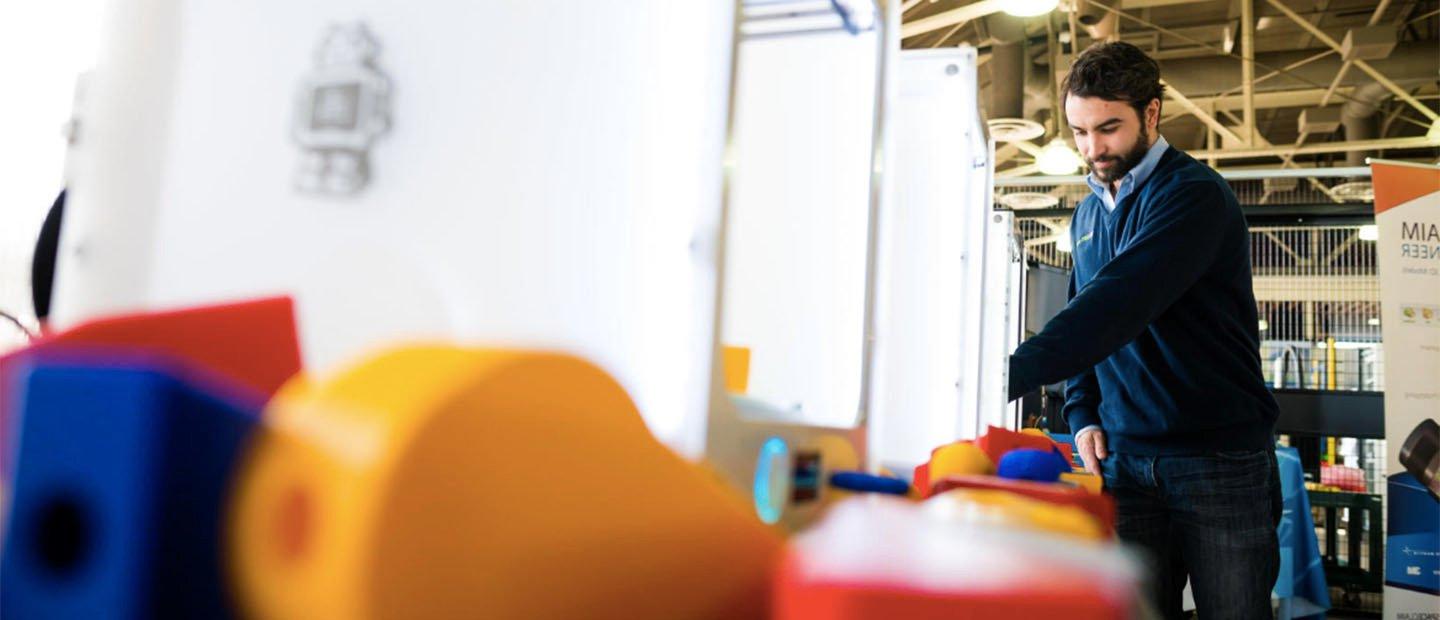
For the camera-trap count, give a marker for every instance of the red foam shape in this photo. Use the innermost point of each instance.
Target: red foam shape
(921, 481)
(797, 597)
(998, 441)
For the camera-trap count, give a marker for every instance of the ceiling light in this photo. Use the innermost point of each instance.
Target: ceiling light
(1028, 200)
(1058, 158)
(1030, 8)
(1369, 232)
(1373, 321)
(1264, 325)
(1014, 129)
(1362, 191)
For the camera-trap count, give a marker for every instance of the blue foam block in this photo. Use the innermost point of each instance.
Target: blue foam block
(121, 480)
(1032, 464)
(868, 483)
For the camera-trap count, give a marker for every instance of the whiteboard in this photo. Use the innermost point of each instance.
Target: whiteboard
(548, 175)
(797, 245)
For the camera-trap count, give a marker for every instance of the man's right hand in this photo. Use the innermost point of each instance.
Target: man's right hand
(1091, 445)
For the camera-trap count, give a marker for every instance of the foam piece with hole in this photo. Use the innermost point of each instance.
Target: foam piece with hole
(252, 343)
(121, 479)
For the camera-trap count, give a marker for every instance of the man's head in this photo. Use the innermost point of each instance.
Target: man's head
(1112, 102)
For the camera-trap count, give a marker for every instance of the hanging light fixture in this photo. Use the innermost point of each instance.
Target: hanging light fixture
(1058, 158)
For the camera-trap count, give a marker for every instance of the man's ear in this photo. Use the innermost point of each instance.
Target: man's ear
(1152, 115)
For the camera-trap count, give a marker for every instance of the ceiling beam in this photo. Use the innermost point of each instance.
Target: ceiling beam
(1205, 117)
(1364, 66)
(1308, 97)
(1345, 66)
(1323, 147)
(945, 19)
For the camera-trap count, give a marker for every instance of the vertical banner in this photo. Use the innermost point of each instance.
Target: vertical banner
(1407, 215)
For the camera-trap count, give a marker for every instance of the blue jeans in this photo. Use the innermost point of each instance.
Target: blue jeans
(1211, 518)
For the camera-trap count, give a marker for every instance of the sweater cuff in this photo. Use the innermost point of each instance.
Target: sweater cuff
(1018, 387)
(1085, 431)
(1081, 418)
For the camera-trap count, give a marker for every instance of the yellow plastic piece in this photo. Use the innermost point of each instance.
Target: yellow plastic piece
(959, 459)
(998, 507)
(736, 362)
(1085, 480)
(1035, 431)
(433, 482)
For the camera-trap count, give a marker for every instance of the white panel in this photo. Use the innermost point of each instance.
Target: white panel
(798, 221)
(551, 178)
(929, 269)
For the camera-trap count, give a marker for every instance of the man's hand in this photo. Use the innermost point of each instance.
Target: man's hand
(1091, 445)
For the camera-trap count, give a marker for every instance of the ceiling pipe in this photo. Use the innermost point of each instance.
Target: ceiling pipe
(1100, 24)
(1199, 77)
(1007, 66)
(1360, 116)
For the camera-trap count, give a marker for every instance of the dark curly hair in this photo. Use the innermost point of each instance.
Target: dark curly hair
(1115, 71)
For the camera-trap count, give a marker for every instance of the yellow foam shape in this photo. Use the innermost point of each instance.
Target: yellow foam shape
(1035, 431)
(999, 507)
(836, 453)
(434, 482)
(736, 362)
(1085, 480)
(959, 459)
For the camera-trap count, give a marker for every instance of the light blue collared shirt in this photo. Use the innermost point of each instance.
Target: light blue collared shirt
(1133, 180)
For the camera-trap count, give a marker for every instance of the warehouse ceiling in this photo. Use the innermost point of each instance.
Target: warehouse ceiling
(1332, 81)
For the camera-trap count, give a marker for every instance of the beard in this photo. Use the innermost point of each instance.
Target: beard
(1124, 163)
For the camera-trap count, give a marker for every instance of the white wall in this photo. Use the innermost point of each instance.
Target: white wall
(43, 47)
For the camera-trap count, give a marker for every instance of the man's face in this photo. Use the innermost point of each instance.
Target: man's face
(1110, 135)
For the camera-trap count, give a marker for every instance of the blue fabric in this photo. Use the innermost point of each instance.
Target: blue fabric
(1133, 179)
(1212, 518)
(1160, 340)
(1302, 577)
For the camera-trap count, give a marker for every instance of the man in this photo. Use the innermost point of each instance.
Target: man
(1160, 344)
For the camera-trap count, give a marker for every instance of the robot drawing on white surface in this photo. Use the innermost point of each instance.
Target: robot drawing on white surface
(344, 105)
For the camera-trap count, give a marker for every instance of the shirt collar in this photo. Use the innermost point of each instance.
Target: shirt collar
(1137, 175)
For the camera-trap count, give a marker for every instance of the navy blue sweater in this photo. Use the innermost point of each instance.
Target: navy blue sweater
(1160, 340)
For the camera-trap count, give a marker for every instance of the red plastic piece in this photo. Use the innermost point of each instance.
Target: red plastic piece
(1100, 505)
(252, 343)
(997, 441)
(921, 481)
